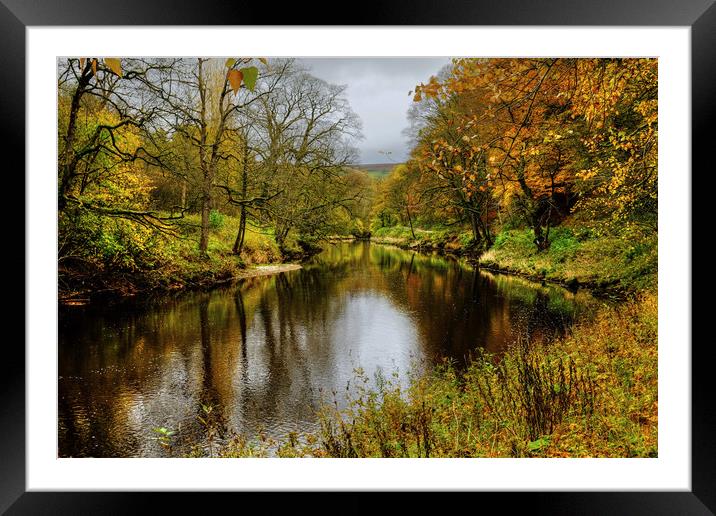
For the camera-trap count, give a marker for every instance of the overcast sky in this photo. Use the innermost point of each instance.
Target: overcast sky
(378, 92)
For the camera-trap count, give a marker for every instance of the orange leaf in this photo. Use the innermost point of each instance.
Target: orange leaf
(94, 66)
(235, 77)
(114, 65)
(82, 62)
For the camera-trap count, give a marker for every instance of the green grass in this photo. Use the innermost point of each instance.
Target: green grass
(575, 254)
(436, 237)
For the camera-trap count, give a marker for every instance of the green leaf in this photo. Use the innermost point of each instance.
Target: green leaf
(250, 75)
(540, 443)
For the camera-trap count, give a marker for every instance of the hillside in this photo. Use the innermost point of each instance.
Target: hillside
(376, 170)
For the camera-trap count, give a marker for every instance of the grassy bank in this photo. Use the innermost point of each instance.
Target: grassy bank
(169, 263)
(435, 239)
(576, 256)
(592, 393)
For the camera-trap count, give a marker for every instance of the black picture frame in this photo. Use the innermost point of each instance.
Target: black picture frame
(16, 15)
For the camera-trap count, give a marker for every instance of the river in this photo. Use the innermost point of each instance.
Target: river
(265, 352)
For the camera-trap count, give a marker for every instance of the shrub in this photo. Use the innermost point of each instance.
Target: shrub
(216, 220)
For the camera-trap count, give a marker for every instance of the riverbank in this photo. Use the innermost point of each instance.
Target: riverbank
(438, 240)
(577, 257)
(173, 264)
(592, 393)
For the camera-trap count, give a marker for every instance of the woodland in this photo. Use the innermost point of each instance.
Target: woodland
(184, 173)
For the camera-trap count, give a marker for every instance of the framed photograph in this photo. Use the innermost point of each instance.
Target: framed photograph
(438, 250)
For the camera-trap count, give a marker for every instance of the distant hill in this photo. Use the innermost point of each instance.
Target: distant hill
(376, 170)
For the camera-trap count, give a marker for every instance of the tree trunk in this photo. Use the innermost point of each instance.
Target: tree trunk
(206, 208)
(410, 221)
(541, 240)
(66, 160)
(475, 225)
(541, 237)
(239, 243)
(486, 233)
(205, 166)
(204, 241)
(280, 237)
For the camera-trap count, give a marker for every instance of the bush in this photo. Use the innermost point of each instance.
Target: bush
(359, 230)
(109, 243)
(216, 220)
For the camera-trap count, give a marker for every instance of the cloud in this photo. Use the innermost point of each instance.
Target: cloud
(378, 92)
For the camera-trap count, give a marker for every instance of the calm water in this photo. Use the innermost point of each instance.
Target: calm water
(266, 351)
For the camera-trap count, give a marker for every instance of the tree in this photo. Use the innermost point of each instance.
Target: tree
(105, 139)
(302, 135)
(533, 134)
(618, 101)
(400, 193)
(199, 99)
(452, 152)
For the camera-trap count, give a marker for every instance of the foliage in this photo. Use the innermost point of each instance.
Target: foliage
(116, 255)
(541, 137)
(147, 144)
(216, 220)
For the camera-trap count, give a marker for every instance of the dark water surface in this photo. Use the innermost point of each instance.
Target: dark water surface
(265, 352)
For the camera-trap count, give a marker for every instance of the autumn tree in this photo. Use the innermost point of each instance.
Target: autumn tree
(400, 194)
(452, 151)
(101, 130)
(539, 132)
(617, 100)
(104, 151)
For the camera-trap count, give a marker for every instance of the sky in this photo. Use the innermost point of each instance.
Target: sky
(378, 93)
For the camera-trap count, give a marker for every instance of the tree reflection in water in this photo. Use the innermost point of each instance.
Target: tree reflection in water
(265, 352)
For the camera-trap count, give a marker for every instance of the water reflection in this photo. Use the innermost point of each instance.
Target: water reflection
(264, 353)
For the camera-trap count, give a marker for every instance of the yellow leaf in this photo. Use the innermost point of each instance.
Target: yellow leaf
(235, 77)
(114, 65)
(263, 60)
(230, 62)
